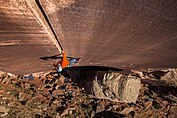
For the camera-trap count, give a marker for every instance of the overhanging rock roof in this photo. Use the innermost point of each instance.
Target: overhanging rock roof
(118, 33)
(23, 40)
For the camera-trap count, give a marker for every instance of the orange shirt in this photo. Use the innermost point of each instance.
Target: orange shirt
(64, 62)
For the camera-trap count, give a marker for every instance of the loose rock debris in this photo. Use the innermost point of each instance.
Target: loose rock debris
(51, 95)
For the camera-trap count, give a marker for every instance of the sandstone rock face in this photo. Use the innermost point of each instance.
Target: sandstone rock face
(109, 85)
(170, 76)
(134, 34)
(161, 77)
(115, 85)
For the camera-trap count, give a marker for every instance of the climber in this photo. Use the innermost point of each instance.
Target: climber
(64, 62)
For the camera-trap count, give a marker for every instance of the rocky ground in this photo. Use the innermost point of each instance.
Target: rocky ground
(50, 95)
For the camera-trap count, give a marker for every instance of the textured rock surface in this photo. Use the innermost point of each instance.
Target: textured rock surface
(166, 76)
(109, 85)
(134, 34)
(23, 40)
(170, 76)
(115, 85)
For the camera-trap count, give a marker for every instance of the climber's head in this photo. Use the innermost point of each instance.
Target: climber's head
(64, 54)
